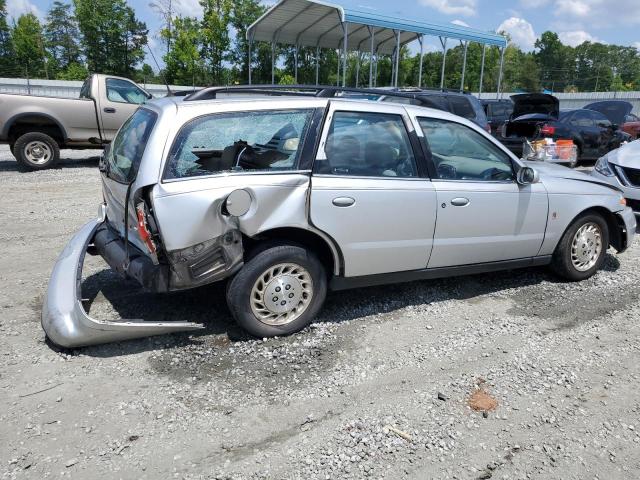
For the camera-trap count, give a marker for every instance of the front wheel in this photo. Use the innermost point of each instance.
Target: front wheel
(582, 248)
(36, 151)
(277, 292)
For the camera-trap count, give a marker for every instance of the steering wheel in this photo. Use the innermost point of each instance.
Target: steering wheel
(494, 174)
(447, 172)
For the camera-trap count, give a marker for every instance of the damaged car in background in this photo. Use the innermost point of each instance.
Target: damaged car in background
(286, 197)
(537, 120)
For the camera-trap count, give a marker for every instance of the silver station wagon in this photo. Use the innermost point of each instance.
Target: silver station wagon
(288, 196)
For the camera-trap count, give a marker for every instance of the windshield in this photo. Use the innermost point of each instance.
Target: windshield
(125, 152)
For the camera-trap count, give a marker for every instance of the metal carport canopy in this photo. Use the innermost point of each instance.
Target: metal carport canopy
(313, 23)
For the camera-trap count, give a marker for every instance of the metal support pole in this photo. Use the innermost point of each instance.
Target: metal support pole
(345, 28)
(498, 93)
(444, 61)
(393, 67)
(338, 78)
(317, 64)
(249, 59)
(357, 68)
(397, 58)
(464, 66)
(371, 34)
(295, 67)
(484, 52)
(421, 40)
(273, 63)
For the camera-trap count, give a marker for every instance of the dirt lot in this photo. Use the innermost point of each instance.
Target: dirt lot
(380, 387)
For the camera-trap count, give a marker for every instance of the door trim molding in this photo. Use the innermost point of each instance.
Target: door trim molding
(345, 283)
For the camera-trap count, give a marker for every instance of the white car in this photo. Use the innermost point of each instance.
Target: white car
(621, 168)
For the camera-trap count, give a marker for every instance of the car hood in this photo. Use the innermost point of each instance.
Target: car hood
(614, 110)
(541, 103)
(626, 156)
(552, 170)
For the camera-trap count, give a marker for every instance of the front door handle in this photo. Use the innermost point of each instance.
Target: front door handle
(343, 201)
(460, 202)
(109, 110)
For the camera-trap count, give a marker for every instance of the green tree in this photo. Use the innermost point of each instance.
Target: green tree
(556, 62)
(28, 42)
(74, 71)
(6, 44)
(183, 63)
(216, 39)
(112, 37)
(62, 36)
(243, 13)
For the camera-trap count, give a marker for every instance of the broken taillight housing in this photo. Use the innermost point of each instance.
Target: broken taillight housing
(143, 231)
(548, 130)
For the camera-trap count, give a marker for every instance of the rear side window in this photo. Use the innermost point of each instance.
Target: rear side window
(238, 142)
(85, 91)
(462, 107)
(367, 144)
(439, 103)
(582, 119)
(127, 148)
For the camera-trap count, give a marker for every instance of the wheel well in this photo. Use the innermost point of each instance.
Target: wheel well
(35, 123)
(305, 238)
(616, 238)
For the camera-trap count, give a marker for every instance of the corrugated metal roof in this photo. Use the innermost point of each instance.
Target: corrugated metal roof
(316, 23)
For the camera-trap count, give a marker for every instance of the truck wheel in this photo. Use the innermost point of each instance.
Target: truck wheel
(582, 248)
(36, 151)
(277, 292)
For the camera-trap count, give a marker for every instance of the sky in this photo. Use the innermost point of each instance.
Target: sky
(575, 21)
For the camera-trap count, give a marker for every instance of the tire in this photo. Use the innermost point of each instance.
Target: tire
(11, 148)
(581, 266)
(253, 295)
(36, 151)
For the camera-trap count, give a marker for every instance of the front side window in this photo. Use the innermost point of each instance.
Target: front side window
(240, 141)
(125, 152)
(460, 153)
(582, 119)
(121, 91)
(462, 107)
(369, 145)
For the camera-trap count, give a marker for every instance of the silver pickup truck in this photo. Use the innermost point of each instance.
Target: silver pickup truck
(36, 128)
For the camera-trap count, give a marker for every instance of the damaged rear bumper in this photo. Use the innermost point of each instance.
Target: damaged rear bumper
(64, 319)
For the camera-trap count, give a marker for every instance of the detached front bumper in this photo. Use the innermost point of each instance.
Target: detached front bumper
(64, 319)
(630, 224)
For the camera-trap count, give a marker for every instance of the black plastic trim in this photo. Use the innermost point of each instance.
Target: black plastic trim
(345, 283)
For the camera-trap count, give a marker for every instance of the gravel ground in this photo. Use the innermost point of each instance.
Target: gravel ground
(382, 386)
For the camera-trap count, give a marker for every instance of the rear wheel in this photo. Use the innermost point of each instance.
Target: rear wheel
(277, 292)
(36, 151)
(11, 149)
(582, 248)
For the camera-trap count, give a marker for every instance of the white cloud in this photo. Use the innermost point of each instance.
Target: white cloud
(15, 8)
(520, 31)
(188, 8)
(578, 8)
(460, 22)
(577, 37)
(453, 7)
(636, 44)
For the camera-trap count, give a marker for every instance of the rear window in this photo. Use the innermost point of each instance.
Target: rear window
(462, 107)
(240, 141)
(127, 148)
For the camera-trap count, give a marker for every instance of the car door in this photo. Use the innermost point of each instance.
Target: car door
(366, 192)
(484, 215)
(585, 126)
(605, 133)
(120, 99)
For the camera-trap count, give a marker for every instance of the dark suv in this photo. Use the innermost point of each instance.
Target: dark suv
(498, 111)
(464, 105)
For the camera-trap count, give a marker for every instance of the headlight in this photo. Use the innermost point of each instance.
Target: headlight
(603, 167)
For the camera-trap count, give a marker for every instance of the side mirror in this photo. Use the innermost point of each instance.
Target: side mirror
(527, 176)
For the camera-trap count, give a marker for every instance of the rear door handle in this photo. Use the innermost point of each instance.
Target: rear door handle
(343, 201)
(460, 202)
(109, 110)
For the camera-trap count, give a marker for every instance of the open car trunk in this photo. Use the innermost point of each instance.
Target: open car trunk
(530, 112)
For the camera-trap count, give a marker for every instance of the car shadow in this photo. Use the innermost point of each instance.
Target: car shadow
(105, 293)
(66, 163)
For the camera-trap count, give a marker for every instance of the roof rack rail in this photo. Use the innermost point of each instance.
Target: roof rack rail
(323, 91)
